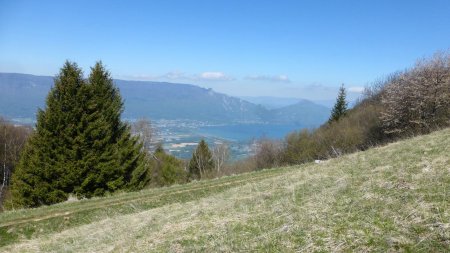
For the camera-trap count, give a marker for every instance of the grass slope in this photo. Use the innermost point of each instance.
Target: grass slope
(393, 198)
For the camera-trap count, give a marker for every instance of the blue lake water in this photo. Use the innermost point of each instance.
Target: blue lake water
(181, 141)
(247, 132)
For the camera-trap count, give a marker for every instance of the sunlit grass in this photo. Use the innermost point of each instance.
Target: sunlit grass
(393, 198)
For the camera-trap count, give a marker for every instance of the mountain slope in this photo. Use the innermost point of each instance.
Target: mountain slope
(303, 112)
(272, 102)
(393, 198)
(21, 95)
(183, 101)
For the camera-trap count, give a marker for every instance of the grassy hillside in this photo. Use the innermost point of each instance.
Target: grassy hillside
(393, 198)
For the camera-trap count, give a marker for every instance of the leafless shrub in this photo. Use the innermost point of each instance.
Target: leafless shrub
(12, 141)
(220, 154)
(143, 128)
(418, 101)
(268, 153)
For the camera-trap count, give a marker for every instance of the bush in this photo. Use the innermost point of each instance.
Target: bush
(267, 153)
(418, 101)
(167, 170)
(359, 129)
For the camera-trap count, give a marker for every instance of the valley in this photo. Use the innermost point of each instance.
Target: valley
(182, 114)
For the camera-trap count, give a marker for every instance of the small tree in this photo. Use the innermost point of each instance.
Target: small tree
(144, 130)
(220, 154)
(340, 107)
(201, 161)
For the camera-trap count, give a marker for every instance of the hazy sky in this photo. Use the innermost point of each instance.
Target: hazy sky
(276, 48)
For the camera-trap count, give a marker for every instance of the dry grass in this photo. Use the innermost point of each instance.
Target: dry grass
(393, 198)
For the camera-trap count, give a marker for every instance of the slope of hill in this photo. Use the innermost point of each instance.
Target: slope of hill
(158, 100)
(392, 198)
(271, 102)
(303, 112)
(22, 94)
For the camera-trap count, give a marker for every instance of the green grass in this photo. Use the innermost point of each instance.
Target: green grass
(393, 198)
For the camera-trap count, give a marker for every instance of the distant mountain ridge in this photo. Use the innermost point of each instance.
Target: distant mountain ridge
(184, 101)
(22, 94)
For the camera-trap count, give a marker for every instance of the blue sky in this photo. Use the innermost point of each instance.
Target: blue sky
(247, 48)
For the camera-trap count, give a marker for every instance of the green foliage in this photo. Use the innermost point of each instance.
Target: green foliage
(340, 107)
(299, 148)
(359, 129)
(142, 175)
(80, 145)
(201, 162)
(159, 169)
(169, 169)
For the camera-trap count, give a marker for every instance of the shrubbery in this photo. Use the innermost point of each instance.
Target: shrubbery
(12, 141)
(418, 100)
(166, 169)
(407, 103)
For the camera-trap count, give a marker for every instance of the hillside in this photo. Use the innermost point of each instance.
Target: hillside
(22, 94)
(392, 198)
(302, 112)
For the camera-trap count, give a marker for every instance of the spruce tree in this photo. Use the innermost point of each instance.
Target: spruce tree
(80, 146)
(47, 170)
(340, 107)
(201, 161)
(111, 153)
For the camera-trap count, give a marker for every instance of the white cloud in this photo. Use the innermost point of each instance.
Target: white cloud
(214, 76)
(174, 75)
(356, 89)
(181, 76)
(277, 78)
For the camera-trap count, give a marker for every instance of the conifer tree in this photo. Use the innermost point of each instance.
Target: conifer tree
(340, 107)
(80, 146)
(201, 161)
(111, 153)
(47, 169)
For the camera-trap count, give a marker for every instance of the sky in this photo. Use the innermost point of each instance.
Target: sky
(303, 49)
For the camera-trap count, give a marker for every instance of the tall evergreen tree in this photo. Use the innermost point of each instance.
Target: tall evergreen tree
(110, 152)
(340, 107)
(80, 146)
(201, 161)
(47, 169)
